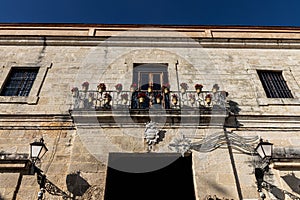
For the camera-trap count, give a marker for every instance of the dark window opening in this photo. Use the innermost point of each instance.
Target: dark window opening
(274, 84)
(173, 181)
(19, 82)
(150, 74)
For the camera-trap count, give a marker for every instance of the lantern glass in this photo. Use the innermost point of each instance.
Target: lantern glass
(264, 149)
(38, 150)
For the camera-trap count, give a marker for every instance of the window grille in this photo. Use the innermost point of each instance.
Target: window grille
(274, 84)
(19, 81)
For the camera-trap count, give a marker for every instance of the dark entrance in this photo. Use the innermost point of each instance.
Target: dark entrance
(173, 182)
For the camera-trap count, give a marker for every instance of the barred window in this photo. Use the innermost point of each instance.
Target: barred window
(19, 81)
(274, 84)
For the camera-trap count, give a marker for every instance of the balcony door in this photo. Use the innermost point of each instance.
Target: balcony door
(150, 74)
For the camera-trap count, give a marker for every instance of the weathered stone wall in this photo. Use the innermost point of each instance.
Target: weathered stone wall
(85, 149)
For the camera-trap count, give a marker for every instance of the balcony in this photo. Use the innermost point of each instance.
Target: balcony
(136, 106)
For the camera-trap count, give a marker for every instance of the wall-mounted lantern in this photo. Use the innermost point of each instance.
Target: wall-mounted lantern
(37, 150)
(265, 150)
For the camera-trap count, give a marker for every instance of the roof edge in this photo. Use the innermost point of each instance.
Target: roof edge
(150, 25)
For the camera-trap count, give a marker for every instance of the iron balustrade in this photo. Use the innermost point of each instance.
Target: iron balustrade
(174, 100)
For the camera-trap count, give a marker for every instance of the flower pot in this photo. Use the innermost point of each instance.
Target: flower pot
(158, 100)
(166, 90)
(208, 100)
(174, 100)
(100, 89)
(150, 89)
(183, 90)
(75, 93)
(85, 88)
(198, 90)
(141, 99)
(132, 89)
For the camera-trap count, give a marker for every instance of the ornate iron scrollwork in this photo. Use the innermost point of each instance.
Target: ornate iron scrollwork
(50, 187)
(214, 141)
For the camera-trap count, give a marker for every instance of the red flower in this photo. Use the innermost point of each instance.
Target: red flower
(184, 86)
(208, 96)
(141, 94)
(198, 86)
(119, 86)
(166, 85)
(74, 89)
(158, 96)
(102, 85)
(133, 85)
(85, 84)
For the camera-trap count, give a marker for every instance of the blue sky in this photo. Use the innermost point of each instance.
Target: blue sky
(173, 12)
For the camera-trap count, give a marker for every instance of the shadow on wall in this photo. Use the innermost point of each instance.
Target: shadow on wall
(76, 184)
(293, 182)
(1, 198)
(234, 110)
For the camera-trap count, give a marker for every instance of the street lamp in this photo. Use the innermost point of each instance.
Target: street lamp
(37, 150)
(264, 150)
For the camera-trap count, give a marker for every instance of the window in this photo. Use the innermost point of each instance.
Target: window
(19, 81)
(274, 84)
(150, 74)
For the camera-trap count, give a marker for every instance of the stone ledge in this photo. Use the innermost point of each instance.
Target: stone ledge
(174, 42)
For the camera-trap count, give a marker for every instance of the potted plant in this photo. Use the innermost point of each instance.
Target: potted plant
(141, 97)
(107, 98)
(119, 87)
(174, 99)
(101, 87)
(184, 87)
(133, 87)
(158, 98)
(215, 88)
(208, 99)
(192, 98)
(124, 98)
(198, 88)
(75, 92)
(150, 89)
(166, 88)
(85, 86)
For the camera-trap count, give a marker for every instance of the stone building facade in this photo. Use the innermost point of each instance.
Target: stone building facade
(99, 136)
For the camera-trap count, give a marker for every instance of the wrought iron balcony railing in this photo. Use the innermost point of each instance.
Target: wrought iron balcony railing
(143, 100)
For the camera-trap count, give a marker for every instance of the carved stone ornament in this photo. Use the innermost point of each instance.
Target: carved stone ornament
(151, 134)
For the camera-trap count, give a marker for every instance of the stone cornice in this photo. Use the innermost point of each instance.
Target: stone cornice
(35, 122)
(81, 32)
(150, 35)
(173, 42)
(264, 122)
